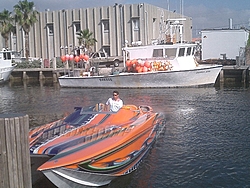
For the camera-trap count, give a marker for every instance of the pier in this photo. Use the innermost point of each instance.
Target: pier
(36, 73)
(237, 74)
(232, 73)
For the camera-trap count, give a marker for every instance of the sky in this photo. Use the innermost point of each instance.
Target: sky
(206, 14)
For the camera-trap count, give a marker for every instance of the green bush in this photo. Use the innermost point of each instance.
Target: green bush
(28, 64)
(37, 64)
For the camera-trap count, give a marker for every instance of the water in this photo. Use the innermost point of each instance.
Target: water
(206, 141)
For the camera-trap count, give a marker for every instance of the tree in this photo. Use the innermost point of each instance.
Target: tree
(85, 38)
(26, 16)
(7, 27)
(248, 41)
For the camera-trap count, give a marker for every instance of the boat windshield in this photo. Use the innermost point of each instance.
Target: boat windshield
(158, 53)
(181, 52)
(189, 50)
(170, 53)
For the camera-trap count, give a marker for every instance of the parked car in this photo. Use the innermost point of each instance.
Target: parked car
(101, 58)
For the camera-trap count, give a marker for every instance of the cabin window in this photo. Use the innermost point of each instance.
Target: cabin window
(189, 51)
(96, 55)
(194, 49)
(158, 53)
(170, 53)
(102, 54)
(181, 52)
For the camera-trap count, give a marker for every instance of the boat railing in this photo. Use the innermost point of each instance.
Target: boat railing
(157, 58)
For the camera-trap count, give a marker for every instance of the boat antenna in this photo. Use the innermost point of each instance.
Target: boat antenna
(162, 28)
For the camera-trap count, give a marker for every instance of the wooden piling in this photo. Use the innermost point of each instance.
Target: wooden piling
(41, 76)
(25, 76)
(221, 76)
(14, 151)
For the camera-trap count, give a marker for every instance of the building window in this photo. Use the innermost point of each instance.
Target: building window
(50, 29)
(107, 50)
(77, 27)
(14, 31)
(105, 25)
(136, 24)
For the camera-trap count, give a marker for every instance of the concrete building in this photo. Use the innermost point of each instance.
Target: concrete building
(223, 43)
(54, 34)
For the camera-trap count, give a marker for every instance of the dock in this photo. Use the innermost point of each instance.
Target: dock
(232, 73)
(235, 73)
(36, 74)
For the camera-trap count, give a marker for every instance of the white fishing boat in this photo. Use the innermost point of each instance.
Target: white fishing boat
(163, 64)
(6, 65)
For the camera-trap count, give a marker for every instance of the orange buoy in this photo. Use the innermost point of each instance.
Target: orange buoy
(147, 64)
(71, 57)
(77, 59)
(128, 63)
(140, 69)
(141, 63)
(137, 68)
(134, 62)
(86, 57)
(63, 58)
(67, 56)
(144, 69)
(81, 56)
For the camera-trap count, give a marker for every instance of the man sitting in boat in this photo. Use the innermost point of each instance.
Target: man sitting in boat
(114, 103)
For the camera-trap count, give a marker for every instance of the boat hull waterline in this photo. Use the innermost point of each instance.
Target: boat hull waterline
(96, 147)
(202, 75)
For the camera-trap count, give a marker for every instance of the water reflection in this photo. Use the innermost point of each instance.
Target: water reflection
(206, 139)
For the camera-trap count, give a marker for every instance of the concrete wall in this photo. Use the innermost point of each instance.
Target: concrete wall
(217, 42)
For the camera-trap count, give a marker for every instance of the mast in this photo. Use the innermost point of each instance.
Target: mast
(175, 25)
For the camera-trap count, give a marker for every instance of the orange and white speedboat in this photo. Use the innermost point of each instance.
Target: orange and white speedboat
(91, 147)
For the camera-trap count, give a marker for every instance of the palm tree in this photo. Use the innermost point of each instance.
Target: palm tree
(6, 28)
(248, 42)
(85, 38)
(25, 17)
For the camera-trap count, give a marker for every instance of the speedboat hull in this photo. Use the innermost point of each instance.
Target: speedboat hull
(102, 147)
(202, 75)
(64, 178)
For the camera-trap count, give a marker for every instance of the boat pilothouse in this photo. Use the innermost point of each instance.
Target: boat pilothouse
(6, 66)
(180, 56)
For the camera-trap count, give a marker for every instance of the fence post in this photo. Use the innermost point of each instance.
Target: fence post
(14, 151)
